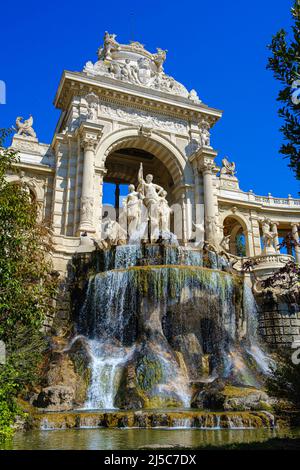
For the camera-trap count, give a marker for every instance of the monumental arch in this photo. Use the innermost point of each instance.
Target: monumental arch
(124, 110)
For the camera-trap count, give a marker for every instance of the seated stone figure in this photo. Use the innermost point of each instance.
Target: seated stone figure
(113, 233)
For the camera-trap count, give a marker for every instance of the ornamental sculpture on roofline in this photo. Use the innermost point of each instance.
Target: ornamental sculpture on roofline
(132, 63)
(25, 128)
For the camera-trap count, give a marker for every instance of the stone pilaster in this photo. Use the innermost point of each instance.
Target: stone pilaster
(255, 249)
(90, 135)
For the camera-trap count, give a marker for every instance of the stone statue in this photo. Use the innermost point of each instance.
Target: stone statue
(164, 213)
(87, 205)
(25, 128)
(228, 167)
(193, 96)
(113, 233)
(159, 58)
(204, 134)
(143, 68)
(150, 193)
(93, 102)
(268, 238)
(295, 233)
(132, 205)
(225, 243)
(110, 43)
(211, 228)
(200, 231)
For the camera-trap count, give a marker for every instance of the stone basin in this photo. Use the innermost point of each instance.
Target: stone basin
(80, 419)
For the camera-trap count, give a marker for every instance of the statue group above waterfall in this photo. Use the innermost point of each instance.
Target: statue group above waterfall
(145, 216)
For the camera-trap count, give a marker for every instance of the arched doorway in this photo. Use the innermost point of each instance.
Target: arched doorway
(237, 241)
(122, 167)
(121, 158)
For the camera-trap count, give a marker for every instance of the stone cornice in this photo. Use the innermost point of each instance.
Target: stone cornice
(75, 83)
(38, 168)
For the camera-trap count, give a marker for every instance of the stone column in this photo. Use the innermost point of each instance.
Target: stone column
(89, 139)
(207, 165)
(197, 196)
(274, 226)
(184, 222)
(98, 192)
(202, 160)
(295, 234)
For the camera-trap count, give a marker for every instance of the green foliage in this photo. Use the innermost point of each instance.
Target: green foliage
(284, 381)
(27, 287)
(285, 64)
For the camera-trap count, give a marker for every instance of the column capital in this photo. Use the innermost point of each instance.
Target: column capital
(204, 159)
(90, 135)
(275, 222)
(100, 171)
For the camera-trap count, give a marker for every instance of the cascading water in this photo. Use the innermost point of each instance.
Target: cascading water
(156, 321)
(106, 362)
(249, 362)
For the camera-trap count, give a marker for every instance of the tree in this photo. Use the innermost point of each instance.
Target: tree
(27, 287)
(285, 64)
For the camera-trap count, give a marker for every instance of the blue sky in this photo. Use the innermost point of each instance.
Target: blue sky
(218, 47)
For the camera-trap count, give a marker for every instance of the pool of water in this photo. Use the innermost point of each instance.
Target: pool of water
(134, 439)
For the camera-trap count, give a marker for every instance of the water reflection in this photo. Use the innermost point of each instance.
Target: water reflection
(130, 439)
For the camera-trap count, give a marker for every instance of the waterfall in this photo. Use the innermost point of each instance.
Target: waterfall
(127, 255)
(254, 347)
(154, 328)
(105, 365)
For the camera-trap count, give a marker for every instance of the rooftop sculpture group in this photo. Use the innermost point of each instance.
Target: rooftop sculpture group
(134, 64)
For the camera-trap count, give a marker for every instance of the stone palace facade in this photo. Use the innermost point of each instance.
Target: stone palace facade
(124, 110)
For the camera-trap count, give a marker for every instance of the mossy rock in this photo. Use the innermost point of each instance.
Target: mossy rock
(148, 372)
(160, 402)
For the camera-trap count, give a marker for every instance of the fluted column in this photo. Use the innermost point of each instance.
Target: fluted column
(89, 139)
(202, 160)
(197, 194)
(207, 166)
(295, 234)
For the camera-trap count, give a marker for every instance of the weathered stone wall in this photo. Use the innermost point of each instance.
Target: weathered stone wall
(279, 321)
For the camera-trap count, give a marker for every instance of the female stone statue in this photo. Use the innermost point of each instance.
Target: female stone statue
(164, 212)
(268, 237)
(150, 193)
(132, 205)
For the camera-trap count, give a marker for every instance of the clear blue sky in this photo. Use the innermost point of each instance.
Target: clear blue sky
(218, 47)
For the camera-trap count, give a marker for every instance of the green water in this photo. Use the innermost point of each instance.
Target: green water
(134, 439)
